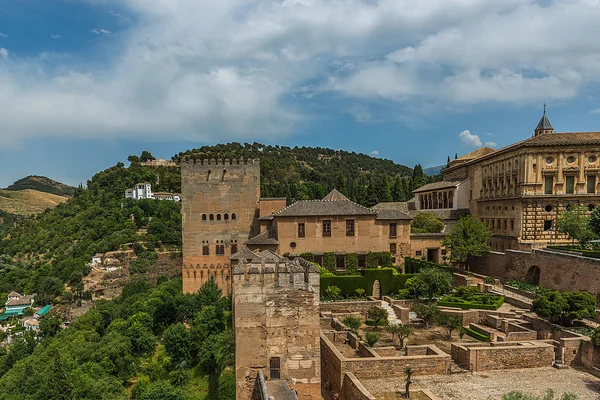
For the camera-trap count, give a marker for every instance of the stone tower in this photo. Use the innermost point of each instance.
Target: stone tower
(544, 126)
(219, 214)
(276, 319)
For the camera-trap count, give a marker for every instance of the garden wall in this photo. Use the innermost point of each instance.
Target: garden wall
(347, 307)
(352, 389)
(479, 357)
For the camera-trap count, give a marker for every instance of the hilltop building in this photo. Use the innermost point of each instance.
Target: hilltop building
(16, 303)
(144, 191)
(222, 210)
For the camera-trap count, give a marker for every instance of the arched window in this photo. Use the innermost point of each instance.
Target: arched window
(211, 217)
(203, 217)
(226, 217)
(233, 216)
(218, 217)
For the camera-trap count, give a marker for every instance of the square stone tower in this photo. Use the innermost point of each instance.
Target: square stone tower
(219, 210)
(276, 319)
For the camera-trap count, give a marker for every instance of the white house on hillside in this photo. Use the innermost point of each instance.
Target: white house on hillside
(140, 191)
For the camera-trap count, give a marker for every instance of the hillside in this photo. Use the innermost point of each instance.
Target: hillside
(304, 173)
(431, 171)
(27, 201)
(42, 184)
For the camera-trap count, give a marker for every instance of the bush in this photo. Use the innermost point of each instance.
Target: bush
(483, 302)
(351, 262)
(308, 256)
(325, 272)
(378, 315)
(372, 260)
(333, 292)
(329, 261)
(403, 294)
(477, 335)
(371, 338)
(565, 307)
(360, 292)
(426, 222)
(353, 323)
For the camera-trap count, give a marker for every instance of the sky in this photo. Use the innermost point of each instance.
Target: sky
(85, 83)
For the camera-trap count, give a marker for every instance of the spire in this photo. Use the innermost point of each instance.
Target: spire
(334, 195)
(544, 125)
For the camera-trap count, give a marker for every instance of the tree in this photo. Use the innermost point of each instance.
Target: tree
(59, 384)
(427, 312)
(565, 307)
(516, 395)
(49, 326)
(403, 331)
(594, 221)
(408, 371)
(146, 156)
(209, 293)
(426, 222)
(162, 390)
(574, 223)
(371, 338)
(433, 281)
(468, 239)
(448, 322)
(353, 323)
(142, 339)
(227, 384)
(133, 159)
(378, 315)
(178, 342)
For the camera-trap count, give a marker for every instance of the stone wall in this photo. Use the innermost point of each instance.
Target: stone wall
(352, 389)
(348, 307)
(561, 271)
(480, 357)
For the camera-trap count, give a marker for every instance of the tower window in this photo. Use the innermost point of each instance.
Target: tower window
(234, 248)
(218, 217)
(301, 230)
(205, 250)
(226, 217)
(275, 368)
(220, 250)
(233, 216)
(211, 217)
(203, 217)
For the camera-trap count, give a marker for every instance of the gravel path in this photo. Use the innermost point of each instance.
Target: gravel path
(491, 385)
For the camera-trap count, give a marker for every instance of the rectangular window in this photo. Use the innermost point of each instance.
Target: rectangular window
(205, 251)
(301, 230)
(547, 225)
(570, 189)
(326, 228)
(349, 227)
(393, 248)
(220, 250)
(234, 248)
(548, 185)
(505, 224)
(512, 224)
(591, 184)
(362, 261)
(340, 261)
(274, 368)
(393, 230)
(319, 260)
(444, 252)
(418, 253)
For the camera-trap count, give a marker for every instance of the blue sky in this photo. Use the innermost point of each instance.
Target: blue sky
(85, 83)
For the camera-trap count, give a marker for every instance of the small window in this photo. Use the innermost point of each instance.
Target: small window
(591, 184)
(570, 189)
(234, 248)
(205, 250)
(547, 225)
(393, 248)
(444, 252)
(233, 216)
(549, 160)
(301, 230)
(274, 368)
(220, 250)
(548, 185)
(393, 230)
(362, 260)
(218, 217)
(211, 217)
(226, 217)
(570, 159)
(349, 227)
(512, 224)
(548, 208)
(326, 228)
(505, 224)
(418, 253)
(591, 159)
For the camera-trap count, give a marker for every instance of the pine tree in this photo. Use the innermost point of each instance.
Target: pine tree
(59, 385)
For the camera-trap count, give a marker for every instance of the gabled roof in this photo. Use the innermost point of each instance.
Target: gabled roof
(438, 186)
(392, 214)
(14, 294)
(268, 237)
(244, 254)
(480, 152)
(334, 204)
(23, 300)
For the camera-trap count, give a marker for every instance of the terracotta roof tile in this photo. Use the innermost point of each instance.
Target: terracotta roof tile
(268, 237)
(437, 186)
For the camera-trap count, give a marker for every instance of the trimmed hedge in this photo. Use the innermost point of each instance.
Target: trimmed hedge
(413, 265)
(389, 278)
(329, 261)
(351, 262)
(583, 252)
(468, 305)
(477, 335)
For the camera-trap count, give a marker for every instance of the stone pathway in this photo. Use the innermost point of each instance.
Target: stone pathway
(392, 318)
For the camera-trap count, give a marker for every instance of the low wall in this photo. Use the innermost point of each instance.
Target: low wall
(402, 313)
(515, 356)
(352, 389)
(347, 307)
(385, 351)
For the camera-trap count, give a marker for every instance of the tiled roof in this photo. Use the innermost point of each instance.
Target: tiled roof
(560, 139)
(14, 294)
(23, 300)
(437, 186)
(325, 208)
(444, 214)
(480, 152)
(244, 254)
(544, 124)
(268, 237)
(392, 214)
(391, 205)
(334, 195)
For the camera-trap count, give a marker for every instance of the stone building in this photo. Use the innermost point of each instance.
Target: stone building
(276, 320)
(520, 190)
(222, 210)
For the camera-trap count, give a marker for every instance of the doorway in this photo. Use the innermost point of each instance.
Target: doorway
(433, 255)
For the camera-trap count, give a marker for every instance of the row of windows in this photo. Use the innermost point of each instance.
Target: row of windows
(219, 249)
(500, 168)
(340, 259)
(499, 187)
(569, 184)
(350, 228)
(211, 217)
(500, 224)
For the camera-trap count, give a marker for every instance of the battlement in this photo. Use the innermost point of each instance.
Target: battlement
(220, 162)
(285, 274)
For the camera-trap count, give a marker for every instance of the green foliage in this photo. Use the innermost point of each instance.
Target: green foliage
(574, 223)
(178, 342)
(162, 390)
(413, 265)
(28, 312)
(42, 184)
(227, 384)
(594, 221)
(448, 322)
(360, 292)
(49, 326)
(333, 292)
(372, 338)
(426, 222)
(390, 281)
(402, 331)
(325, 272)
(351, 262)
(308, 256)
(353, 323)
(529, 287)
(468, 239)
(596, 337)
(433, 282)
(476, 335)
(483, 301)
(516, 395)
(403, 294)
(427, 312)
(329, 261)
(565, 307)
(378, 315)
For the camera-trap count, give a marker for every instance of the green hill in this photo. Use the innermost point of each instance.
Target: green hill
(42, 184)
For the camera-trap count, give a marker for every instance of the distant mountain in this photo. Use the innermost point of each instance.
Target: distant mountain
(28, 202)
(430, 171)
(42, 184)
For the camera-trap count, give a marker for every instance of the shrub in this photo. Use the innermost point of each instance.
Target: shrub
(565, 307)
(596, 337)
(372, 260)
(378, 315)
(353, 323)
(325, 272)
(467, 292)
(426, 222)
(403, 294)
(329, 261)
(351, 262)
(333, 292)
(477, 335)
(371, 338)
(308, 256)
(360, 292)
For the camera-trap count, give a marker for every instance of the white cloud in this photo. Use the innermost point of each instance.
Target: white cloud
(374, 153)
(488, 134)
(206, 70)
(468, 139)
(101, 31)
(3, 52)
(491, 144)
(3, 35)
(55, 36)
(595, 111)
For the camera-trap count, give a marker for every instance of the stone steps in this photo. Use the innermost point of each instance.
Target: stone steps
(392, 318)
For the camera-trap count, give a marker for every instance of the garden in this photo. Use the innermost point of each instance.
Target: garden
(470, 297)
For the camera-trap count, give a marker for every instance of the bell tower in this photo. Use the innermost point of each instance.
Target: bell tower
(544, 126)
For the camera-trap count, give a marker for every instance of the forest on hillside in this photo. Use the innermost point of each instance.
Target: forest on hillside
(306, 173)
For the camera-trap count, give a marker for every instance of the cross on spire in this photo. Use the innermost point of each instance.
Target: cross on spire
(545, 108)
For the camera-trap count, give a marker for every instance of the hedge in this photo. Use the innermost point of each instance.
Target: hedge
(477, 335)
(389, 279)
(585, 253)
(413, 265)
(308, 256)
(468, 305)
(351, 262)
(329, 261)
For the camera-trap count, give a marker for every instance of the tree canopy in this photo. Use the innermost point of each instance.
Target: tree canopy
(426, 222)
(565, 307)
(574, 222)
(469, 238)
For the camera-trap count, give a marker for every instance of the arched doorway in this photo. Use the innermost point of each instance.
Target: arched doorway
(377, 289)
(533, 275)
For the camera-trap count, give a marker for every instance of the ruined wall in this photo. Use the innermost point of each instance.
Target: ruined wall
(352, 389)
(559, 271)
(481, 357)
(348, 307)
(219, 208)
(276, 315)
